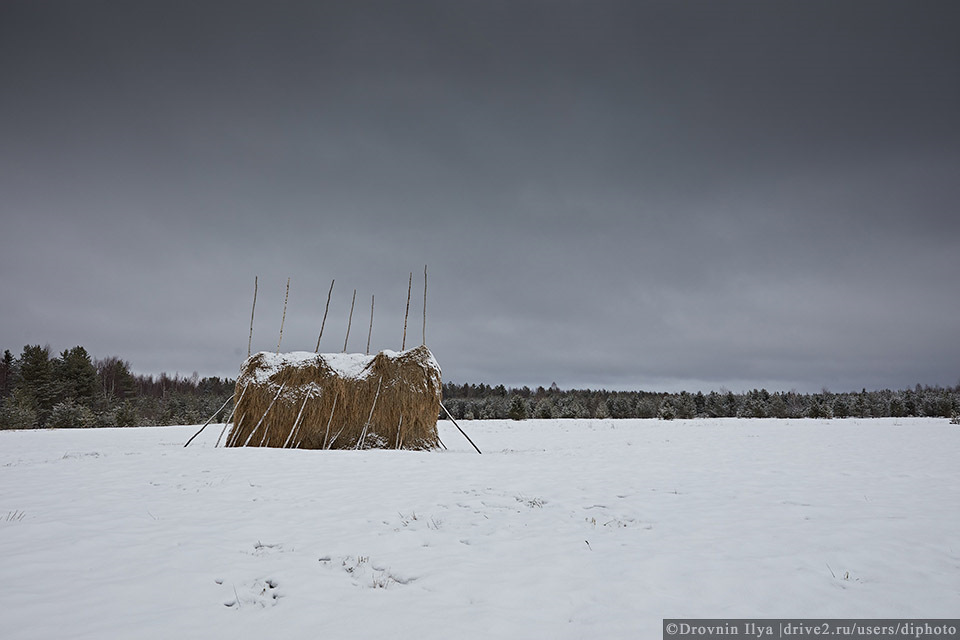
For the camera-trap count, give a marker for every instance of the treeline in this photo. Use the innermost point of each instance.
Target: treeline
(479, 402)
(72, 390)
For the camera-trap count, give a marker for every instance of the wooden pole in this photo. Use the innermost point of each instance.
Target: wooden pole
(424, 305)
(350, 320)
(232, 414)
(296, 422)
(284, 319)
(327, 434)
(325, 310)
(231, 437)
(250, 341)
(334, 438)
(458, 427)
(262, 418)
(363, 433)
(370, 332)
(209, 420)
(403, 345)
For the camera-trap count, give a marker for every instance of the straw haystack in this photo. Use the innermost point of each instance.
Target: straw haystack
(338, 401)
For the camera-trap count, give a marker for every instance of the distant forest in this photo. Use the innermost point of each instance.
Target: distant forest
(72, 390)
(480, 402)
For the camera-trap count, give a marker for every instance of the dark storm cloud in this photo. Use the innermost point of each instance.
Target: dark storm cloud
(631, 194)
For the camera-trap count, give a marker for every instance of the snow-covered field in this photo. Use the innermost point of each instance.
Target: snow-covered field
(561, 529)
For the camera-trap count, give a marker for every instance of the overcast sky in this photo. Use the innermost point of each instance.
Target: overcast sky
(638, 195)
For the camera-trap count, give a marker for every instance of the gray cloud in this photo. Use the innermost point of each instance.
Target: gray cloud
(608, 194)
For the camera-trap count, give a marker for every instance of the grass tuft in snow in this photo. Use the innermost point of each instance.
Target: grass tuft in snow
(382, 580)
(533, 503)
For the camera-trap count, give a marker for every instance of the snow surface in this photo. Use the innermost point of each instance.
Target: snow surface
(346, 365)
(561, 529)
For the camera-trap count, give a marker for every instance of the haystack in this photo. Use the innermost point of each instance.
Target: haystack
(338, 401)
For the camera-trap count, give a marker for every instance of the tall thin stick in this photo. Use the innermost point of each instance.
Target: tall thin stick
(370, 333)
(209, 420)
(325, 310)
(250, 341)
(232, 414)
(363, 434)
(233, 434)
(350, 320)
(297, 421)
(284, 319)
(327, 434)
(399, 425)
(337, 435)
(458, 427)
(262, 418)
(424, 305)
(403, 345)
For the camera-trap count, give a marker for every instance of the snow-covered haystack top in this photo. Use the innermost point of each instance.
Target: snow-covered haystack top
(338, 400)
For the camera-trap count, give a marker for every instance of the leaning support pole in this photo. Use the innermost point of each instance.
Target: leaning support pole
(209, 420)
(325, 310)
(327, 434)
(284, 319)
(230, 438)
(296, 422)
(350, 320)
(250, 341)
(269, 406)
(458, 427)
(363, 434)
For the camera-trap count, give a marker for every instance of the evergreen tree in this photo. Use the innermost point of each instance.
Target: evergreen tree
(731, 405)
(518, 408)
(714, 407)
(127, 415)
(686, 406)
(75, 376)
(35, 381)
(820, 409)
(897, 408)
(841, 409)
(544, 409)
(70, 415)
(701, 403)
(17, 412)
(778, 406)
(603, 411)
(620, 406)
(7, 373)
(668, 409)
(647, 407)
(569, 406)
